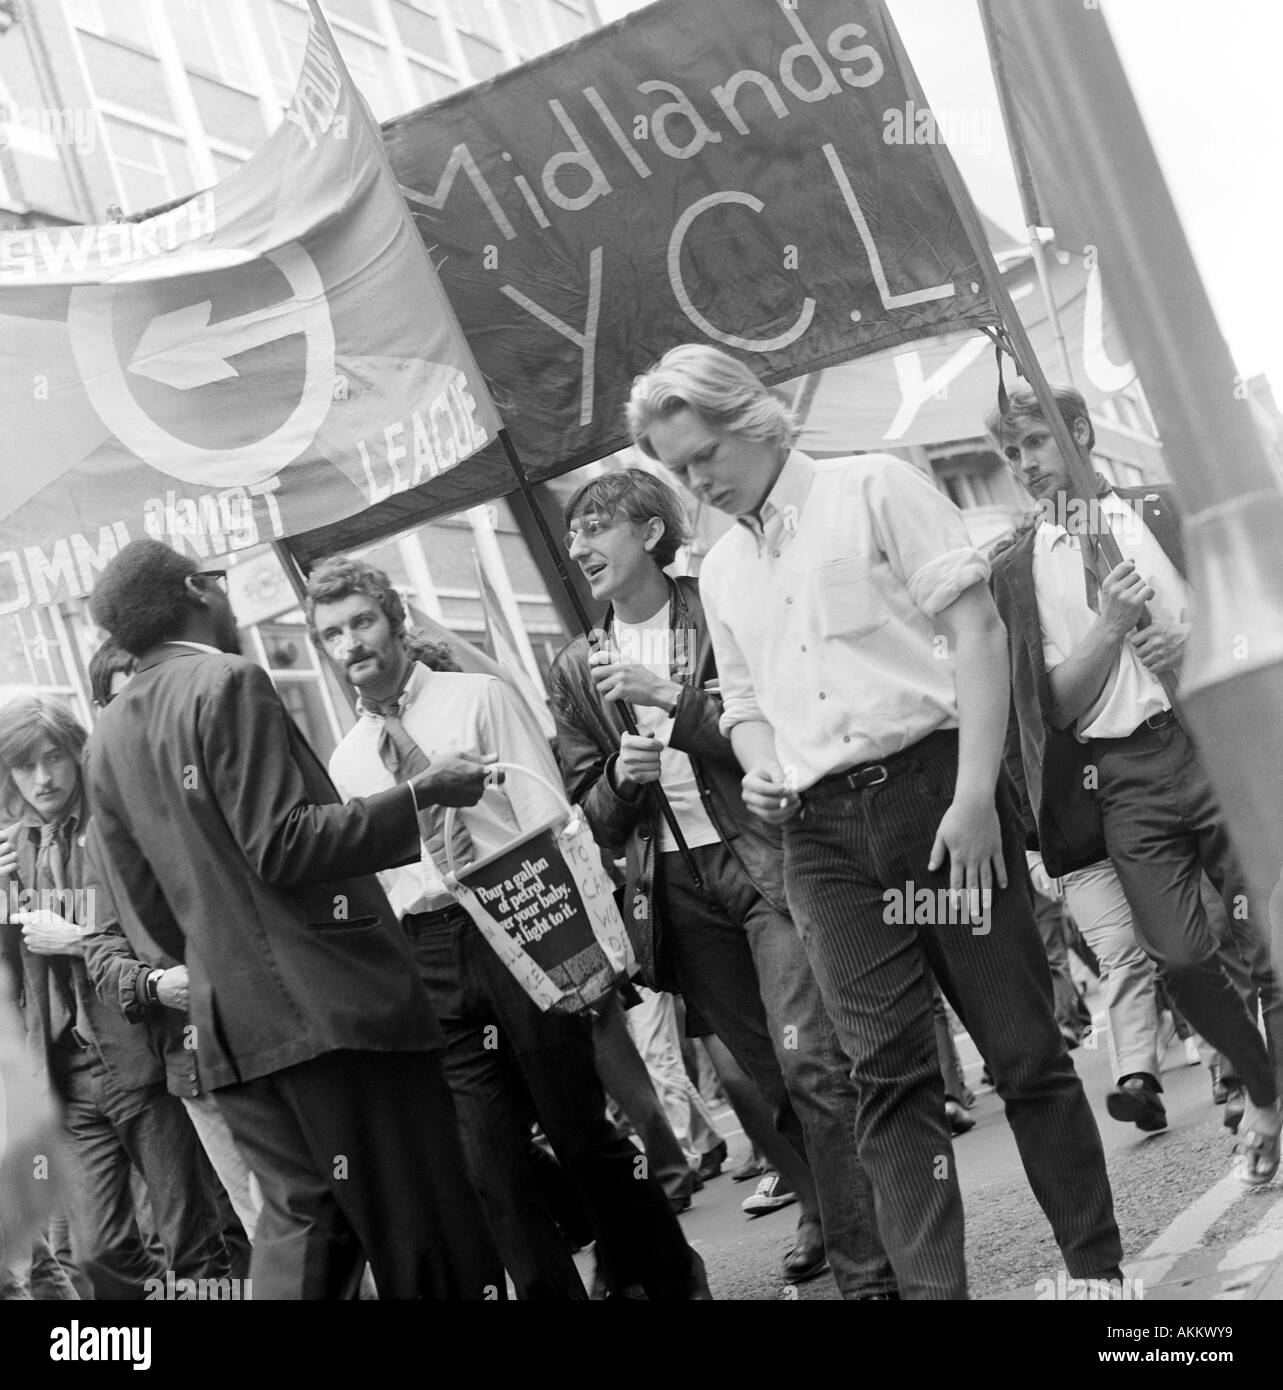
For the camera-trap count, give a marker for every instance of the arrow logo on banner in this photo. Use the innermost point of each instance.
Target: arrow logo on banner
(183, 350)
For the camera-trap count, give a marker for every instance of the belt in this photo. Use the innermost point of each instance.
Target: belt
(415, 923)
(1164, 719)
(865, 775)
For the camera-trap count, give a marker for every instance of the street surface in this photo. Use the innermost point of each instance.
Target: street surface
(1190, 1231)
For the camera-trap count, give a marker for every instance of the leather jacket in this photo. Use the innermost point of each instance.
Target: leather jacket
(588, 733)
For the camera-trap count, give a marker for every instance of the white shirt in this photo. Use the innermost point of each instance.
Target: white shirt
(1132, 693)
(452, 711)
(821, 615)
(650, 644)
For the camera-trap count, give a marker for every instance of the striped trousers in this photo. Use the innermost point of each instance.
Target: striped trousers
(853, 863)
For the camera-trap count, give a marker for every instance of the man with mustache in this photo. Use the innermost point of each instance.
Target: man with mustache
(507, 1062)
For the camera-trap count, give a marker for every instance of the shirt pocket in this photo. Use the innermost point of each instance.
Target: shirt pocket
(846, 599)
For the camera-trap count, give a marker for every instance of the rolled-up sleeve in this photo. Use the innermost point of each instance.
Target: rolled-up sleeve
(739, 699)
(923, 536)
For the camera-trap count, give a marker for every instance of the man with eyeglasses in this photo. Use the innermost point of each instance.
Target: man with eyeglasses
(726, 943)
(225, 839)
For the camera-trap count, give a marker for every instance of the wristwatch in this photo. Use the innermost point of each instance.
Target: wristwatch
(151, 986)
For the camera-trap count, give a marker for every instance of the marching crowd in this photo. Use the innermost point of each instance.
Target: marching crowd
(868, 770)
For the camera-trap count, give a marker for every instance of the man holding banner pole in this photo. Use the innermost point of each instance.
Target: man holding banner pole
(864, 675)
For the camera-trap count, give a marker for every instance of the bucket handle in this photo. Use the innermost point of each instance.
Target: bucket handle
(492, 768)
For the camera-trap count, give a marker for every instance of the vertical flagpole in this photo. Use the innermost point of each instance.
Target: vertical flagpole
(1024, 180)
(653, 789)
(592, 633)
(1076, 459)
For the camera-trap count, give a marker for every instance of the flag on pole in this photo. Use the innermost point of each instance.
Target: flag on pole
(273, 354)
(504, 649)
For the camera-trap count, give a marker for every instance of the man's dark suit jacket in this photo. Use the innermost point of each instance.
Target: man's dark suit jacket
(223, 833)
(1067, 826)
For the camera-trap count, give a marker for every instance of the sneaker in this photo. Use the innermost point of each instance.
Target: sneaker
(772, 1194)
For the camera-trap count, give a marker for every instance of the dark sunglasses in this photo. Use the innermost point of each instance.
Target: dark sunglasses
(219, 577)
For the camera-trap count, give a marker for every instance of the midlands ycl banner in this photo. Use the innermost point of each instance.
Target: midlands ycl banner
(271, 355)
(733, 172)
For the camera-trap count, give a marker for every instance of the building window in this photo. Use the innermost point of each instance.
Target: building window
(569, 21)
(209, 42)
(524, 28)
(152, 168)
(113, 19)
(430, 84)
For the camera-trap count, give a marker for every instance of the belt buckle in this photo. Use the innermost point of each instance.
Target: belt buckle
(862, 779)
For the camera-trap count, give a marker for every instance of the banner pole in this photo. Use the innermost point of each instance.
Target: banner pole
(593, 634)
(1076, 459)
(1024, 180)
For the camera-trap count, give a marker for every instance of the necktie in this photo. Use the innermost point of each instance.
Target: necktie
(404, 759)
(51, 874)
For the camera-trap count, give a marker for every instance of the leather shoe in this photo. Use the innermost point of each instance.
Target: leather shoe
(748, 1171)
(958, 1120)
(710, 1165)
(1235, 1104)
(807, 1259)
(1220, 1091)
(1135, 1101)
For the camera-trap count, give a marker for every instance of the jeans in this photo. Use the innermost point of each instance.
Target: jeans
(105, 1132)
(843, 855)
(509, 1063)
(742, 966)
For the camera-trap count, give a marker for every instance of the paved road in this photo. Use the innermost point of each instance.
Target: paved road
(1188, 1232)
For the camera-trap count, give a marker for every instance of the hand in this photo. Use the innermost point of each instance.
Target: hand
(171, 988)
(639, 759)
(970, 835)
(1122, 596)
(45, 933)
(638, 685)
(769, 795)
(454, 779)
(1160, 646)
(1049, 887)
(9, 852)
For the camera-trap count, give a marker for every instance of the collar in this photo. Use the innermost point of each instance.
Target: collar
(65, 827)
(415, 680)
(195, 646)
(1049, 534)
(678, 608)
(782, 508)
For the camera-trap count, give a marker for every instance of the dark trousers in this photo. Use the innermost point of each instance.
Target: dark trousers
(841, 857)
(1163, 830)
(509, 1063)
(108, 1134)
(358, 1157)
(741, 965)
